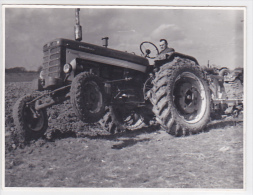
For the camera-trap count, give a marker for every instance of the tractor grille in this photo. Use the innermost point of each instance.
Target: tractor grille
(52, 62)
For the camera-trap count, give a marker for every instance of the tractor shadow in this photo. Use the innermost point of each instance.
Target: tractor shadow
(126, 134)
(128, 143)
(130, 138)
(101, 134)
(127, 138)
(57, 135)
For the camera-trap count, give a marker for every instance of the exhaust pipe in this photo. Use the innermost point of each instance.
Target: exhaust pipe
(105, 41)
(78, 27)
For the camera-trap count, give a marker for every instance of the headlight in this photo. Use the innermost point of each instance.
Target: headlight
(67, 68)
(41, 74)
(54, 43)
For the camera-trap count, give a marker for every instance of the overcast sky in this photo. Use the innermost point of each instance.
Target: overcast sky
(207, 34)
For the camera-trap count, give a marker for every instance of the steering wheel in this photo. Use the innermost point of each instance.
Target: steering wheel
(149, 50)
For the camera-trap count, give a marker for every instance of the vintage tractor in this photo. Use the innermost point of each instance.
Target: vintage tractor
(120, 90)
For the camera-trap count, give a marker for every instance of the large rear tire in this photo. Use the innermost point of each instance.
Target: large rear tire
(181, 97)
(88, 97)
(30, 124)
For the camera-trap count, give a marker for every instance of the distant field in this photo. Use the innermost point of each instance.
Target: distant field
(20, 77)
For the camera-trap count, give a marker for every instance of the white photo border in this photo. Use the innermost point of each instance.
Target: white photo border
(248, 64)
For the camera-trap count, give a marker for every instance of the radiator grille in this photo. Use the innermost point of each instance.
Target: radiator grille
(52, 62)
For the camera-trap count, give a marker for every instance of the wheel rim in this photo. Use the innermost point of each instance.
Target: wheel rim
(190, 98)
(92, 97)
(34, 121)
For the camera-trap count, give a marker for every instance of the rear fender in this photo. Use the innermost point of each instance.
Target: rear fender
(170, 57)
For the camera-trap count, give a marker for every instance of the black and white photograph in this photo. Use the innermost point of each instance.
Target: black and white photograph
(124, 97)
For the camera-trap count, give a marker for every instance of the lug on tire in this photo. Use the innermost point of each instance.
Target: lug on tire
(30, 124)
(118, 120)
(181, 97)
(88, 97)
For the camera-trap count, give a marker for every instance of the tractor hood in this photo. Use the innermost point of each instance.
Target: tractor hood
(95, 49)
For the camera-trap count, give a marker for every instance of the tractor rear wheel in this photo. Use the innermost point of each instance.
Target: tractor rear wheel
(180, 97)
(88, 97)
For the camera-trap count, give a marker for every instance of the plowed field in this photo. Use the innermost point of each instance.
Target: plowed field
(74, 154)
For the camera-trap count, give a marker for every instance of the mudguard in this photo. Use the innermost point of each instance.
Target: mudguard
(171, 56)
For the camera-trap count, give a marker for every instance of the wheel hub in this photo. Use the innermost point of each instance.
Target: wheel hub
(93, 97)
(34, 121)
(189, 97)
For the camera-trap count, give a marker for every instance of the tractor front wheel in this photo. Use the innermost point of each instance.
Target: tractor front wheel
(30, 124)
(88, 97)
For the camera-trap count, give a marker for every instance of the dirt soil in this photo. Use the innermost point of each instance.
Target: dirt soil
(74, 154)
